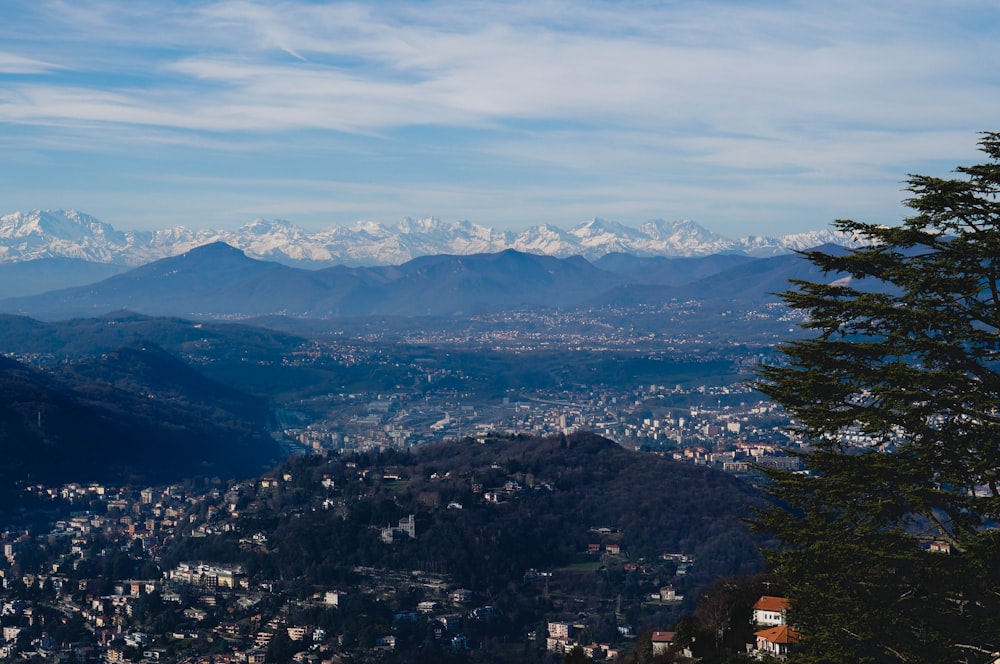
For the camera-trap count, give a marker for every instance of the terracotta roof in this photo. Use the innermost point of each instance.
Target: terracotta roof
(779, 634)
(769, 603)
(663, 637)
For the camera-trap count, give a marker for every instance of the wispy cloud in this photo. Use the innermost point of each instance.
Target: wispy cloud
(661, 101)
(15, 64)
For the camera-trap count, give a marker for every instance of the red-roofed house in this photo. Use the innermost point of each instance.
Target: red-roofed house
(662, 641)
(769, 611)
(776, 641)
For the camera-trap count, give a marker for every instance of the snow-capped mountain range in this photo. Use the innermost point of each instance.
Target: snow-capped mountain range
(70, 234)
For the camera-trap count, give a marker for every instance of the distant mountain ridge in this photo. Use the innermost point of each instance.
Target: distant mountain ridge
(220, 281)
(217, 280)
(50, 234)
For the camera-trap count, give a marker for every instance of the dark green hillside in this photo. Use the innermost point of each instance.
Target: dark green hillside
(658, 505)
(151, 372)
(555, 495)
(240, 355)
(132, 415)
(21, 335)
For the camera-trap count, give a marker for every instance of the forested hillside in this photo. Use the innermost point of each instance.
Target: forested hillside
(515, 520)
(136, 414)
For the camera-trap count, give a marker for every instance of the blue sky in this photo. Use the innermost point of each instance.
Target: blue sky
(747, 117)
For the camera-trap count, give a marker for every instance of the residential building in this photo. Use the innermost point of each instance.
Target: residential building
(775, 641)
(769, 611)
(662, 642)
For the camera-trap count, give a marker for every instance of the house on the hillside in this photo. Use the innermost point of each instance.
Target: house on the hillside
(560, 637)
(333, 597)
(662, 642)
(769, 611)
(600, 651)
(774, 642)
(407, 529)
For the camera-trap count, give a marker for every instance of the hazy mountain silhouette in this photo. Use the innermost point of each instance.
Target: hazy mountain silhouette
(132, 414)
(216, 280)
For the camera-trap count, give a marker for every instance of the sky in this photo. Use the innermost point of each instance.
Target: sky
(746, 117)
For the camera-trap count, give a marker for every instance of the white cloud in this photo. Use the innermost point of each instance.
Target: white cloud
(662, 101)
(15, 64)
(718, 64)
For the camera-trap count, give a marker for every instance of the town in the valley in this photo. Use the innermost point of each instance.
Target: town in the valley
(97, 581)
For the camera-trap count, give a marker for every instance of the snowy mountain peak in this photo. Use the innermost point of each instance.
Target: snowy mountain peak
(598, 227)
(410, 225)
(54, 224)
(264, 226)
(371, 228)
(683, 230)
(58, 233)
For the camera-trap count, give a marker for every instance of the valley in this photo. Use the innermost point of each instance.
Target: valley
(454, 483)
(531, 448)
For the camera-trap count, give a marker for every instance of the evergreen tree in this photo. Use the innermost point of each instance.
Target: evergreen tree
(890, 546)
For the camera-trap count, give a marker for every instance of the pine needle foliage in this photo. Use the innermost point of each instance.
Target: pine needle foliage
(890, 545)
